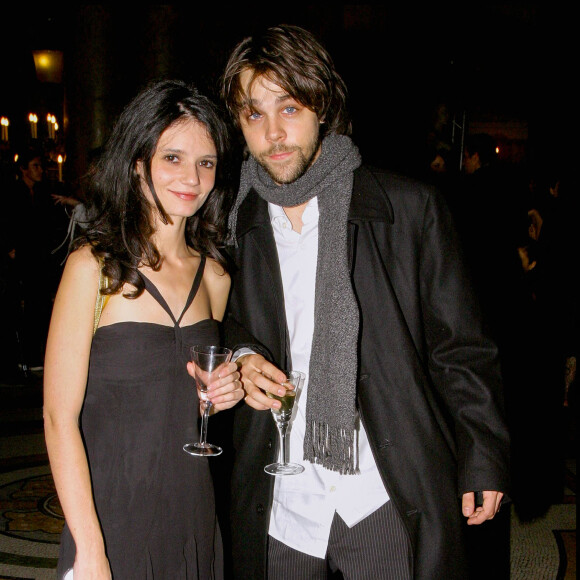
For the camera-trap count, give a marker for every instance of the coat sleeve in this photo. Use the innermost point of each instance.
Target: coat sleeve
(236, 336)
(462, 358)
(251, 310)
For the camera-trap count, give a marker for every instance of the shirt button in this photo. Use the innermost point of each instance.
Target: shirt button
(333, 488)
(260, 508)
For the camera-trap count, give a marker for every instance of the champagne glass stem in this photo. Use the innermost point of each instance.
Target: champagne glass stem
(282, 428)
(204, 418)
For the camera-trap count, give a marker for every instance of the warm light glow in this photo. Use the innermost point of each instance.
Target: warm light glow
(49, 65)
(43, 60)
(497, 150)
(5, 122)
(56, 126)
(33, 128)
(60, 160)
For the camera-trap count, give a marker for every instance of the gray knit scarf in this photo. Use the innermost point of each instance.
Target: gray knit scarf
(331, 404)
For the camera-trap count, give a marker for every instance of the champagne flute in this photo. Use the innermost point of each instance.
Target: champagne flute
(282, 418)
(209, 361)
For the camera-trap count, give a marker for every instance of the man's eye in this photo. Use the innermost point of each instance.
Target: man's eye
(290, 110)
(254, 116)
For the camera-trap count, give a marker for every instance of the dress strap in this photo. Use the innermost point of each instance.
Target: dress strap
(194, 286)
(152, 289)
(102, 299)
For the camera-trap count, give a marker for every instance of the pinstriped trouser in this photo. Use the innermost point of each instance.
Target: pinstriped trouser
(376, 548)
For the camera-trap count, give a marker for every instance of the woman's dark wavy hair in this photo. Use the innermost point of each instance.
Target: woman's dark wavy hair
(121, 229)
(294, 59)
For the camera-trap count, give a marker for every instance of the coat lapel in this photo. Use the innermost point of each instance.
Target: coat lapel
(254, 222)
(369, 203)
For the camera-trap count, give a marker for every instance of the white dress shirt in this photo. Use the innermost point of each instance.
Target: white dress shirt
(304, 504)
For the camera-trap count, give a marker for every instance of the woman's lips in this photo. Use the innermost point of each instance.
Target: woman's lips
(185, 196)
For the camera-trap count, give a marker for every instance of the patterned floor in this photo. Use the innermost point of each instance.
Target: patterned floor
(31, 518)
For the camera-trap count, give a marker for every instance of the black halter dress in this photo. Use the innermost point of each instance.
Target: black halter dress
(155, 503)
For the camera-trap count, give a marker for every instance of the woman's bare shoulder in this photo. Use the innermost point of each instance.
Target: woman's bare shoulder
(215, 273)
(83, 258)
(81, 266)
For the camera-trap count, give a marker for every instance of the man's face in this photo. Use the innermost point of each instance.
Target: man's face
(281, 133)
(471, 163)
(438, 164)
(33, 171)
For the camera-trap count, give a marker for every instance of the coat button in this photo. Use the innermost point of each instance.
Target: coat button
(269, 444)
(260, 508)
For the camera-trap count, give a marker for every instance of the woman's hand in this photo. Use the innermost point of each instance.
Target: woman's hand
(93, 568)
(64, 200)
(225, 392)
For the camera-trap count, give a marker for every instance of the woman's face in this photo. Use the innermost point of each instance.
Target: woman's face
(183, 168)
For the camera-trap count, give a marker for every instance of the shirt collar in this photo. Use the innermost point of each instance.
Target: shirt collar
(310, 213)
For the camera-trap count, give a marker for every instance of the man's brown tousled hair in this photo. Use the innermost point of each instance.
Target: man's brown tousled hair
(294, 59)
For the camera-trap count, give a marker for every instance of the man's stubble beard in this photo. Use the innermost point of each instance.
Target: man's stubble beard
(299, 166)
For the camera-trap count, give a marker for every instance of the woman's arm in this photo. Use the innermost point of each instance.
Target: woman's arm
(65, 376)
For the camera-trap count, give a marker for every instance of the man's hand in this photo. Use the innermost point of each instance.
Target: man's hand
(258, 375)
(476, 515)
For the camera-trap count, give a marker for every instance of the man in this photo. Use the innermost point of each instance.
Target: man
(27, 239)
(353, 276)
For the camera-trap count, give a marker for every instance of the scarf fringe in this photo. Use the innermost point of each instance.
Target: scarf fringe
(333, 448)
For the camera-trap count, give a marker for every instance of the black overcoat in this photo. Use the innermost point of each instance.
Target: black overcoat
(429, 388)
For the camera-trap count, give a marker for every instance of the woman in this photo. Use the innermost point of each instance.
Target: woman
(119, 405)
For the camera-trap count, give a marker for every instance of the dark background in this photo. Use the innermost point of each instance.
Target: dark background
(411, 71)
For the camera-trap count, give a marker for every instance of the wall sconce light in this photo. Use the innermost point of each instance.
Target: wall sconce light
(49, 65)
